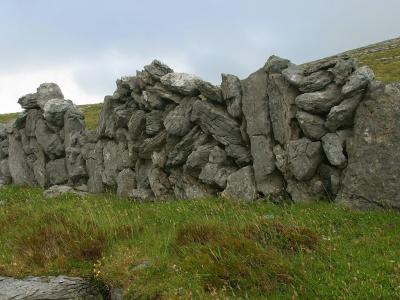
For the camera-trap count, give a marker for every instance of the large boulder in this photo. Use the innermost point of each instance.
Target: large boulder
(371, 179)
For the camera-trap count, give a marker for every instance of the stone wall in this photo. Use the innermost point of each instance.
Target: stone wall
(287, 132)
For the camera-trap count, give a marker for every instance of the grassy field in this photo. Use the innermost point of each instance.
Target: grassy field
(204, 249)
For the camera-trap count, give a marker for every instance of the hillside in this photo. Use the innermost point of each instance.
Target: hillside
(383, 58)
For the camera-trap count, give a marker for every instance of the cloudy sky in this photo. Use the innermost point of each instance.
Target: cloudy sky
(84, 45)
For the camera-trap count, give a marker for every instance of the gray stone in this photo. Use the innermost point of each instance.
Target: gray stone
(342, 70)
(20, 172)
(276, 64)
(106, 111)
(241, 185)
(32, 117)
(342, 115)
(177, 122)
(94, 166)
(213, 120)
(39, 166)
(198, 159)
(210, 91)
(149, 145)
(74, 124)
(142, 169)
(305, 191)
(330, 177)
(154, 122)
(186, 186)
(59, 190)
(311, 125)
(182, 83)
(157, 69)
(57, 171)
(359, 80)
(28, 101)
(159, 183)
(232, 94)
(333, 146)
(154, 100)
(141, 194)
(54, 111)
(122, 115)
(163, 93)
(282, 108)
(37, 288)
(126, 182)
(216, 175)
(304, 157)
(46, 92)
(240, 154)
(137, 124)
(5, 175)
(217, 156)
(76, 165)
(49, 141)
(320, 102)
(294, 74)
(371, 178)
(111, 158)
(316, 81)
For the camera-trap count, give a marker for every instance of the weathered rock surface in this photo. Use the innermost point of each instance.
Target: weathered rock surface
(241, 185)
(39, 288)
(312, 125)
(182, 83)
(232, 94)
(126, 182)
(342, 115)
(333, 145)
(320, 102)
(358, 80)
(59, 190)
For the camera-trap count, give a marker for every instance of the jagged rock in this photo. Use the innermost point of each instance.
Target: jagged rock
(187, 187)
(330, 177)
(240, 154)
(359, 80)
(3, 131)
(28, 101)
(49, 141)
(106, 112)
(142, 169)
(177, 122)
(304, 157)
(39, 166)
(36, 288)
(159, 183)
(315, 82)
(94, 166)
(46, 92)
(217, 156)
(320, 102)
(276, 64)
(256, 112)
(141, 194)
(150, 145)
(126, 182)
(111, 158)
(157, 69)
(4, 149)
(214, 120)
(241, 185)
(122, 114)
(182, 83)
(210, 91)
(342, 115)
(342, 70)
(323, 64)
(163, 93)
(333, 146)
(311, 125)
(33, 115)
(371, 179)
(137, 123)
(305, 191)
(54, 111)
(189, 142)
(294, 74)
(232, 94)
(57, 171)
(282, 108)
(76, 165)
(198, 159)
(59, 190)
(20, 172)
(154, 122)
(74, 124)
(215, 174)
(20, 121)
(154, 100)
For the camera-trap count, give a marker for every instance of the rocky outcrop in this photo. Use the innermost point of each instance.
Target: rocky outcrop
(37, 288)
(308, 132)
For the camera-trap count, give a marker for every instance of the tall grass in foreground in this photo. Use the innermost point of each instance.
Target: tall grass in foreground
(203, 249)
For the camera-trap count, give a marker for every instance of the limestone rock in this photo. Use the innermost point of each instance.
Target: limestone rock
(241, 185)
(137, 124)
(182, 83)
(333, 148)
(149, 145)
(141, 194)
(177, 122)
(106, 112)
(111, 158)
(315, 82)
(163, 93)
(342, 115)
(187, 187)
(276, 64)
(126, 182)
(342, 70)
(76, 165)
(54, 111)
(216, 175)
(304, 157)
(371, 178)
(46, 92)
(198, 159)
(330, 177)
(217, 156)
(232, 94)
(33, 115)
(28, 101)
(210, 91)
(359, 80)
(143, 168)
(311, 125)
(59, 190)
(157, 69)
(294, 74)
(94, 166)
(320, 102)
(50, 142)
(57, 171)
(154, 122)
(240, 154)
(159, 183)
(36, 288)
(305, 191)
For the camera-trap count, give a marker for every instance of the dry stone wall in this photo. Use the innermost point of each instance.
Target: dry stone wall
(321, 130)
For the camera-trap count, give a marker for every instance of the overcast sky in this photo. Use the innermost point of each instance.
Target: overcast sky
(85, 45)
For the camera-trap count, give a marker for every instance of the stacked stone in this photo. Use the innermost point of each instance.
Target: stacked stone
(5, 176)
(312, 114)
(170, 135)
(43, 141)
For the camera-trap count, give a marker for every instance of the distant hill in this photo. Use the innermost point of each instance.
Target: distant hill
(383, 58)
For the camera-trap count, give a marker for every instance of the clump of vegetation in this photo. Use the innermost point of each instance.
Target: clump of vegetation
(204, 249)
(92, 114)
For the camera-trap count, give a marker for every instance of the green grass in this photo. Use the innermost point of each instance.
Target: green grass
(5, 118)
(92, 114)
(204, 249)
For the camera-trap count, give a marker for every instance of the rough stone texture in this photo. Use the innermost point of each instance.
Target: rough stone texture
(320, 102)
(54, 111)
(186, 186)
(209, 91)
(39, 288)
(304, 157)
(59, 190)
(333, 146)
(358, 80)
(182, 83)
(57, 171)
(177, 122)
(232, 94)
(157, 69)
(311, 125)
(126, 182)
(256, 111)
(294, 74)
(159, 183)
(342, 115)
(50, 142)
(241, 185)
(315, 82)
(371, 178)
